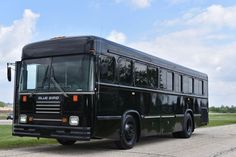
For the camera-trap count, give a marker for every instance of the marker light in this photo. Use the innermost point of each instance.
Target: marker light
(74, 120)
(75, 98)
(23, 118)
(24, 98)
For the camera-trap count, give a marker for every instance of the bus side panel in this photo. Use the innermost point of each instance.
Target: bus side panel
(204, 112)
(179, 114)
(168, 103)
(108, 113)
(150, 109)
(197, 112)
(107, 128)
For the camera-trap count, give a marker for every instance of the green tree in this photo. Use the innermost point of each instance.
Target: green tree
(223, 109)
(2, 104)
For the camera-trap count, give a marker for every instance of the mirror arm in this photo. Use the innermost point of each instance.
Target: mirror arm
(10, 64)
(9, 70)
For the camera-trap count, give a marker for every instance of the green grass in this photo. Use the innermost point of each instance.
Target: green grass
(9, 141)
(217, 119)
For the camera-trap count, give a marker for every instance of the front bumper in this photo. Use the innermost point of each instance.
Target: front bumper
(57, 132)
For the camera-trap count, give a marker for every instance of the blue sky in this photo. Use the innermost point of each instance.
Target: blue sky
(199, 34)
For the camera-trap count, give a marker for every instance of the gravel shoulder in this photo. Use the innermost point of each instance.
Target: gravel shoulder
(5, 122)
(205, 142)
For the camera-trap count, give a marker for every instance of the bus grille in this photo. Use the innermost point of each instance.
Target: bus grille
(48, 107)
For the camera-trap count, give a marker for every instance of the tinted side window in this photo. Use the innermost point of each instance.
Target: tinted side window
(205, 88)
(200, 87)
(107, 66)
(163, 79)
(125, 71)
(170, 81)
(177, 83)
(141, 78)
(190, 85)
(152, 77)
(196, 86)
(185, 84)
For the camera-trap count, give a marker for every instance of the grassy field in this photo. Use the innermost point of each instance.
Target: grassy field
(9, 141)
(216, 119)
(3, 115)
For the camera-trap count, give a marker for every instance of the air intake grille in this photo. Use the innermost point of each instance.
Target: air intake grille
(48, 107)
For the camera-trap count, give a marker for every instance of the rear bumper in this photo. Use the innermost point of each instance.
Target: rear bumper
(57, 132)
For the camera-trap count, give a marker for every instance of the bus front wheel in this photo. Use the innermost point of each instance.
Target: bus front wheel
(128, 133)
(66, 142)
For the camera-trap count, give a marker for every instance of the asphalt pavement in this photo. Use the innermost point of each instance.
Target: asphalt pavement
(205, 142)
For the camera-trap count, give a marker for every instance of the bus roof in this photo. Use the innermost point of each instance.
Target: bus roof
(82, 44)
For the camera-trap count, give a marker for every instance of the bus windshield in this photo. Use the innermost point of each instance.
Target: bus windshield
(57, 74)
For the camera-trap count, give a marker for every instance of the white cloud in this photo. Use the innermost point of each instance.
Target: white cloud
(201, 41)
(141, 3)
(217, 16)
(136, 3)
(214, 17)
(12, 39)
(116, 36)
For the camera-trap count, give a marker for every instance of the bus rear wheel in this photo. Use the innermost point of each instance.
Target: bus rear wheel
(66, 142)
(128, 135)
(187, 127)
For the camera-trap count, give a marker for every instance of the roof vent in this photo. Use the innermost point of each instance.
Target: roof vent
(57, 38)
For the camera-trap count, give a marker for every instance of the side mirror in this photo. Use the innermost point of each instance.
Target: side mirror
(9, 74)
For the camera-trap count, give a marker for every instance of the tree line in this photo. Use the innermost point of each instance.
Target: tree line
(223, 109)
(2, 104)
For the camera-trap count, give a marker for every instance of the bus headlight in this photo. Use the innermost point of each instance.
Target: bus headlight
(23, 118)
(74, 120)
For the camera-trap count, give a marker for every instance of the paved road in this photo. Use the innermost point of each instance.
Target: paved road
(5, 122)
(205, 142)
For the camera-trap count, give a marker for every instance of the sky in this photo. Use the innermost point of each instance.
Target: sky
(199, 34)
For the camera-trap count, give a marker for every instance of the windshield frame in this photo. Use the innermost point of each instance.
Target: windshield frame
(48, 61)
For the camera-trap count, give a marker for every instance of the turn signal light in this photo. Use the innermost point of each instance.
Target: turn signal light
(64, 120)
(75, 98)
(24, 98)
(30, 119)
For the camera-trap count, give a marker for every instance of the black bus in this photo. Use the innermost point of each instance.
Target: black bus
(86, 87)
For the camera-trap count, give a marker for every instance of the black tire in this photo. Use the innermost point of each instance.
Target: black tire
(66, 142)
(128, 133)
(187, 126)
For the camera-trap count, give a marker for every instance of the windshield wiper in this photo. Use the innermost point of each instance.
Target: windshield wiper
(57, 85)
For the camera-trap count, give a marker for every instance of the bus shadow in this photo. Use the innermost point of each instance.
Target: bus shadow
(97, 146)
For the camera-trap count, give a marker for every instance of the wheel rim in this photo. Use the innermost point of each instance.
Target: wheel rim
(130, 131)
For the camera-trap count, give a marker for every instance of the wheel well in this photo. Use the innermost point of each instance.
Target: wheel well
(191, 113)
(137, 120)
